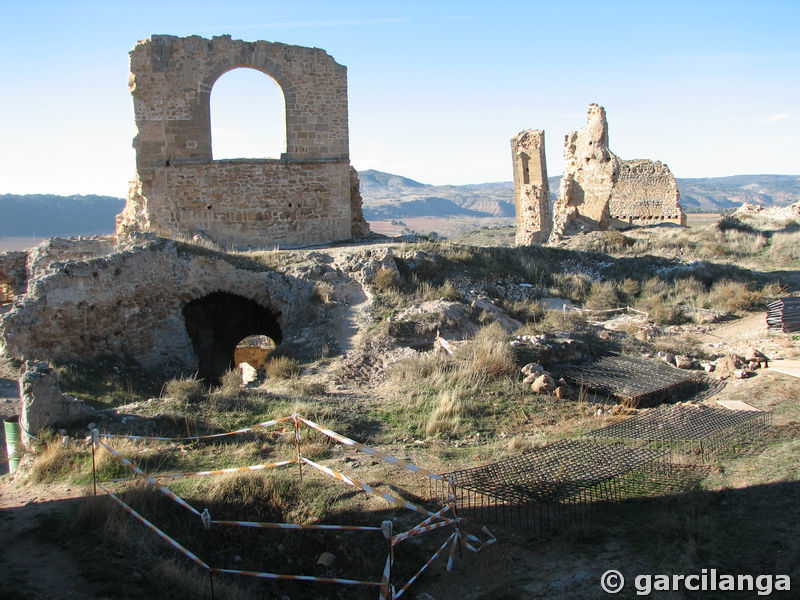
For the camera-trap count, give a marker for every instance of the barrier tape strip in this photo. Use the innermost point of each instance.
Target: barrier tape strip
(297, 577)
(367, 488)
(426, 565)
(417, 530)
(156, 530)
(372, 451)
(199, 437)
(387, 593)
(168, 493)
(296, 526)
(437, 515)
(219, 471)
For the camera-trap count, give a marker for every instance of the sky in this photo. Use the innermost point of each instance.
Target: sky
(435, 89)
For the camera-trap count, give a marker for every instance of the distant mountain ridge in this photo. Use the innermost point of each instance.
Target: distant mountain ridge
(388, 196)
(48, 215)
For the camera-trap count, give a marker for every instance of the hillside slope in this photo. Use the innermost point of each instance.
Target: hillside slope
(388, 196)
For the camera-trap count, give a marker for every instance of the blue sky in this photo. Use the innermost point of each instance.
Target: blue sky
(436, 89)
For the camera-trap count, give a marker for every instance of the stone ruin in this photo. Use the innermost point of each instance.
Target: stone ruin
(598, 189)
(307, 196)
(531, 190)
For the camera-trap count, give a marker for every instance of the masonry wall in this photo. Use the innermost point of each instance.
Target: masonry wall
(303, 197)
(245, 203)
(531, 189)
(645, 193)
(127, 306)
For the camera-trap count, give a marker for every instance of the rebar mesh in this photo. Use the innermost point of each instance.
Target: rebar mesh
(636, 381)
(697, 428)
(554, 483)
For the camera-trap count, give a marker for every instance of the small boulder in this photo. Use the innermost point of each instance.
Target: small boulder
(533, 368)
(543, 384)
(669, 359)
(683, 362)
(562, 392)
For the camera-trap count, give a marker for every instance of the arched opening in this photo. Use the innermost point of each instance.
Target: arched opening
(248, 116)
(217, 323)
(253, 350)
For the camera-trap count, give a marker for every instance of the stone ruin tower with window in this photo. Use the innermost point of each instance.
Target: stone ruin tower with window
(309, 195)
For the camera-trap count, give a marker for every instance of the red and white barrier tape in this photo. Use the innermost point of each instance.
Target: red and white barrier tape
(194, 438)
(367, 488)
(168, 493)
(156, 530)
(426, 565)
(372, 451)
(297, 526)
(297, 577)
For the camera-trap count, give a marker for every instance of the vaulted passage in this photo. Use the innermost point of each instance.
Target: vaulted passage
(218, 322)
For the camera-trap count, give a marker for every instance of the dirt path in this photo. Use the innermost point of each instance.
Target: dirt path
(32, 566)
(746, 332)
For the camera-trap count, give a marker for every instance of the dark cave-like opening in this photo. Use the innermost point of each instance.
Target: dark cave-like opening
(218, 322)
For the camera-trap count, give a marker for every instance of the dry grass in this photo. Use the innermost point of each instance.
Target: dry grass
(446, 417)
(57, 461)
(185, 389)
(282, 367)
(733, 296)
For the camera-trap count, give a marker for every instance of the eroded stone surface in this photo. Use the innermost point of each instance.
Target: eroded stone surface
(600, 190)
(43, 403)
(531, 190)
(303, 197)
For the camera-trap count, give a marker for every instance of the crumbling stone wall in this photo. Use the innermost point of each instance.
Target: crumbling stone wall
(127, 306)
(645, 193)
(531, 190)
(179, 190)
(598, 187)
(358, 225)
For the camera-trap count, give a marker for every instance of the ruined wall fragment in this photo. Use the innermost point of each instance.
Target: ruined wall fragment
(127, 306)
(646, 192)
(531, 190)
(358, 225)
(599, 190)
(300, 198)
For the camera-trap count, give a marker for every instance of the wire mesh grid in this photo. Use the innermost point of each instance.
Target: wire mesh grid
(696, 428)
(556, 483)
(637, 381)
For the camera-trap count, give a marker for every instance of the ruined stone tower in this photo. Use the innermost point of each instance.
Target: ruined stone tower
(531, 190)
(603, 191)
(300, 198)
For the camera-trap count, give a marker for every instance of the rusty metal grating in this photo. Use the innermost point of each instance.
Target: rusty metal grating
(637, 381)
(555, 483)
(696, 428)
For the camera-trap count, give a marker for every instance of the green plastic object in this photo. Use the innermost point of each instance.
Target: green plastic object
(13, 444)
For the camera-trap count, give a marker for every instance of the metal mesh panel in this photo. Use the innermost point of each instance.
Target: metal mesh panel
(637, 381)
(555, 483)
(694, 427)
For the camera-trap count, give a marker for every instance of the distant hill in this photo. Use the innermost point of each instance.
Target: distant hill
(47, 215)
(388, 196)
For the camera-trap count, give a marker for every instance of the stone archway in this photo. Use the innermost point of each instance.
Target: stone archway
(216, 323)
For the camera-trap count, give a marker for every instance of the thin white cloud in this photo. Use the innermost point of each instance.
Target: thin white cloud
(312, 24)
(775, 118)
